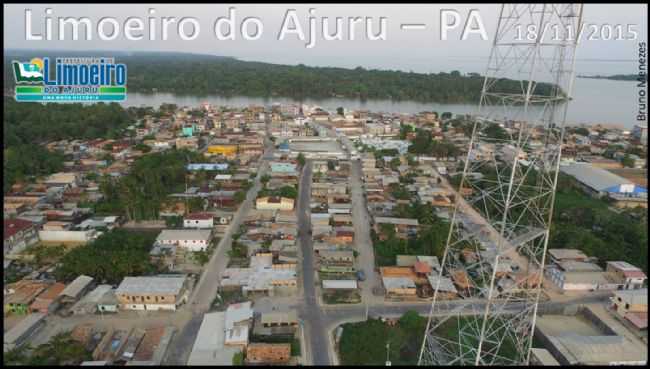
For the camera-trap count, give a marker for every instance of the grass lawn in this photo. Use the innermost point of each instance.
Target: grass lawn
(227, 297)
(342, 297)
(365, 343)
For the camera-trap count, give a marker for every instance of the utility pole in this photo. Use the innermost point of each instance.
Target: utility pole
(388, 354)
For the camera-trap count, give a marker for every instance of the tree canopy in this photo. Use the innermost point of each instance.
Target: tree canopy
(111, 257)
(206, 74)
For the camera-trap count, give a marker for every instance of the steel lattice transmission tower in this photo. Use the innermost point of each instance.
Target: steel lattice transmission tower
(495, 251)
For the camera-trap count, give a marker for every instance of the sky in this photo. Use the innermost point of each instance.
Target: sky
(418, 50)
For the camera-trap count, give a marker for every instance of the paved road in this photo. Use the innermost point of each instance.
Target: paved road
(183, 341)
(361, 223)
(206, 289)
(362, 240)
(342, 314)
(310, 310)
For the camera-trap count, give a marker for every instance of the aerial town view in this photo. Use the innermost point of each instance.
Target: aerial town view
(292, 202)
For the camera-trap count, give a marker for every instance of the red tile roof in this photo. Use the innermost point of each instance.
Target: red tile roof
(13, 226)
(421, 267)
(634, 274)
(639, 319)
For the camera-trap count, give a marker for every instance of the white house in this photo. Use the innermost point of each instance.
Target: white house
(199, 220)
(191, 239)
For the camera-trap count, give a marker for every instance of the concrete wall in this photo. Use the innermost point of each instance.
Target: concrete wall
(66, 236)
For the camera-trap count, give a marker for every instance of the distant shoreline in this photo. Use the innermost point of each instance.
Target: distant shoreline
(615, 77)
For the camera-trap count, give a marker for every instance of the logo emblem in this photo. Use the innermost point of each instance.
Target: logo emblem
(70, 79)
(31, 72)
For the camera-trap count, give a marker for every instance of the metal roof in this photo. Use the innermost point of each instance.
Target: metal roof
(23, 327)
(95, 295)
(397, 221)
(209, 347)
(76, 286)
(184, 234)
(446, 285)
(398, 282)
(633, 297)
(280, 317)
(151, 285)
(567, 254)
(340, 284)
(594, 177)
(597, 349)
(237, 313)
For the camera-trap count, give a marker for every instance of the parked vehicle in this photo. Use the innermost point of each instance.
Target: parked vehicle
(361, 275)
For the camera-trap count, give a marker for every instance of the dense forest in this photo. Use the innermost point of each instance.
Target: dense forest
(585, 223)
(140, 194)
(111, 257)
(32, 123)
(204, 74)
(27, 125)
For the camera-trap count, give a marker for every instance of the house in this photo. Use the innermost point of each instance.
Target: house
(48, 301)
(65, 180)
(238, 318)
(338, 257)
(18, 235)
(163, 255)
(225, 150)
(337, 208)
(578, 276)
(274, 203)
(399, 286)
(559, 255)
(279, 319)
(268, 353)
(198, 220)
(632, 305)
(163, 292)
(58, 235)
(76, 289)
(207, 166)
(446, 288)
(20, 295)
(404, 227)
(262, 276)
(191, 143)
(629, 276)
(108, 303)
(340, 284)
(209, 347)
(283, 167)
(342, 237)
(88, 304)
(276, 324)
(461, 280)
(190, 239)
(153, 346)
(422, 269)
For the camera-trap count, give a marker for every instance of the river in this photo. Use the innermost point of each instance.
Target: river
(595, 101)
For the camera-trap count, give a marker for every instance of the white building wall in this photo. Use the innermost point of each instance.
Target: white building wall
(198, 223)
(66, 236)
(193, 245)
